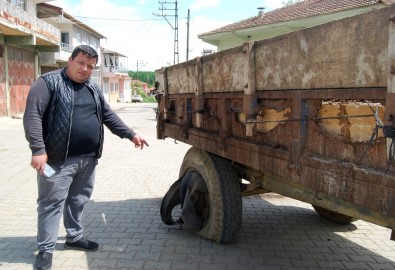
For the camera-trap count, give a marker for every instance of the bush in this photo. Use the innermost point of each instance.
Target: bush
(146, 98)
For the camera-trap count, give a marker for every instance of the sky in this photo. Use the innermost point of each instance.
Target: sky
(143, 30)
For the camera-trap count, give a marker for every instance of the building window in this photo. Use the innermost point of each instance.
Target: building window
(106, 60)
(79, 38)
(96, 76)
(106, 86)
(65, 42)
(93, 44)
(18, 3)
(65, 38)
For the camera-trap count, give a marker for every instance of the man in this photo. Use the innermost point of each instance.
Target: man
(63, 121)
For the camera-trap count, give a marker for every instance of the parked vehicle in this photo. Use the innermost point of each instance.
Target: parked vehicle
(308, 115)
(137, 98)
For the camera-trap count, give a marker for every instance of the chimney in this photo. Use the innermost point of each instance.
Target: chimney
(260, 13)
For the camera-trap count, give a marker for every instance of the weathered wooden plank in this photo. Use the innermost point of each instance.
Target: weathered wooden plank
(342, 54)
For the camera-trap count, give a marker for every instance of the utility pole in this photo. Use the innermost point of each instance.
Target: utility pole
(140, 63)
(188, 36)
(175, 27)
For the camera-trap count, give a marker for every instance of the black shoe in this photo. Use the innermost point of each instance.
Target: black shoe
(82, 244)
(43, 261)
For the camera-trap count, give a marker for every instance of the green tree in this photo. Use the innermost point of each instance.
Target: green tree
(144, 76)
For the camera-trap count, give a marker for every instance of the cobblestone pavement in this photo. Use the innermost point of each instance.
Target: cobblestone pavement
(123, 216)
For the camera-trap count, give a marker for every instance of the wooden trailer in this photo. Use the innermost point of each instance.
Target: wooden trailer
(308, 115)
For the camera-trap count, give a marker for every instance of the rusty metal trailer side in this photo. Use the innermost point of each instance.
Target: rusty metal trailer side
(297, 114)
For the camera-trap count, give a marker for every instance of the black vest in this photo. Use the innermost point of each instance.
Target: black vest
(57, 118)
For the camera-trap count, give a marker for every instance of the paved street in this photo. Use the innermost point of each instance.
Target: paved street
(123, 216)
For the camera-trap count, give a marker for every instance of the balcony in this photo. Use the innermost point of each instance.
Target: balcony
(112, 71)
(114, 64)
(57, 59)
(65, 52)
(23, 28)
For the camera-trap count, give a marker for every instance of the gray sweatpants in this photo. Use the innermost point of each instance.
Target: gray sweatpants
(67, 191)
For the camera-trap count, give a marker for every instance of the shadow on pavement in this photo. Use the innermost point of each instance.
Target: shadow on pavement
(274, 236)
(277, 233)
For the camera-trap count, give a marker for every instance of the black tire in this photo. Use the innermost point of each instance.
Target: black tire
(223, 222)
(333, 216)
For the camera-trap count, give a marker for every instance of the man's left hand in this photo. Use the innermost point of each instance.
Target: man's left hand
(139, 141)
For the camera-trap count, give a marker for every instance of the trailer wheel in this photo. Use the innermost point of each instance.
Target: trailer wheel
(223, 199)
(333, 216)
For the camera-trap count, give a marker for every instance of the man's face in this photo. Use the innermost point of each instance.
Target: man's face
(80, 68)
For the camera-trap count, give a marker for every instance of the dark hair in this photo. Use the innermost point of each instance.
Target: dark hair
(85, 50)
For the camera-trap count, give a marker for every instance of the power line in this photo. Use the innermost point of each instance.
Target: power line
(111, 19)
(140, 63)
(174, 27)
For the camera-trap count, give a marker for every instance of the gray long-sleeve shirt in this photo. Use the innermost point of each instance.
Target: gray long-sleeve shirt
(37, 103)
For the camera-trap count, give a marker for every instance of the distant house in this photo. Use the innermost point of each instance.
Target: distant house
(35, 38)
(111, 70)
(23, 37)
(287, 19)
(116, 81)
(72, 33)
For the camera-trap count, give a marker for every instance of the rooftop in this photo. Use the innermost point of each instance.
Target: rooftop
(300, 10)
